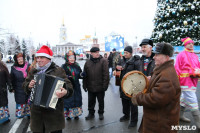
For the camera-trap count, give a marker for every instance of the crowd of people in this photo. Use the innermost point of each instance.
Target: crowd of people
(170, 92)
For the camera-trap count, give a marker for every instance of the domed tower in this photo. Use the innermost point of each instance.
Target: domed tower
(63, 33)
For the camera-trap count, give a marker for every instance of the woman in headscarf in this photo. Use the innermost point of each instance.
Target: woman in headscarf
(18, 75)
(73, 105)
(4, 84)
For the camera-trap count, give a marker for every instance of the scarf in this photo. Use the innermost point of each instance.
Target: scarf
(44, 68)
(189, 50)
(22, 69)
(71, 69)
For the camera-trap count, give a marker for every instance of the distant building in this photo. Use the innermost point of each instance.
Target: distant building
(87, 43)
(63, 33)
(64, 46)
(61, 49)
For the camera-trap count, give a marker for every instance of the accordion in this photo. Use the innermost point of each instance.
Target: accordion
(43, 93)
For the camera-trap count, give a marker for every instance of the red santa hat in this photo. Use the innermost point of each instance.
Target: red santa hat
(187, 40)
(44, 51)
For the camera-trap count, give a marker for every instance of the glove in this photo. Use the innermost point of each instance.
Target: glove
(10, 88)
(105, 89)
(134, 100)
(69, 77)
(85, 89)
(83, 74)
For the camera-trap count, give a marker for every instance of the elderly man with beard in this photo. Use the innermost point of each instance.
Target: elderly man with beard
(162, 99)
(147, 61)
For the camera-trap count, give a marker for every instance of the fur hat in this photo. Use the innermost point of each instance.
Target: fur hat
(146, 42)
(44, 51)
(128, 49)
(187, 40)
(164, 48)
(94, 49)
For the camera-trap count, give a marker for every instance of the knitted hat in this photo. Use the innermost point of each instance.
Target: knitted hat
(187, 40)
(164, 48)
(44, 51)
(147, 42)
(94, 49)
(128, 49)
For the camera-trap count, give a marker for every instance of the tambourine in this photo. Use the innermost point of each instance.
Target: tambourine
(134, 82)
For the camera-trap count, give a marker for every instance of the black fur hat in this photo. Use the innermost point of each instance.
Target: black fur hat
(164, 48)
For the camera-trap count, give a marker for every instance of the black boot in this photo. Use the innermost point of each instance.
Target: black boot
(124, 118)
(68, 118)
(89, 116)
(101, 117)
(132, 124)
(76, 118)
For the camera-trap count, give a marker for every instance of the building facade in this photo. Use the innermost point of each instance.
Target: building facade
(64, 46)
(61, 49)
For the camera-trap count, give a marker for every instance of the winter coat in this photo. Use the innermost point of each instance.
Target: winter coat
(128, 65)
(76, 99)
(150, 66)
(17, 79)
(161, 102)
(53, 120)
(110, 60)
(5, 81)
(97, 75)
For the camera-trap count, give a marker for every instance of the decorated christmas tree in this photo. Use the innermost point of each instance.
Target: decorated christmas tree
(176, 19)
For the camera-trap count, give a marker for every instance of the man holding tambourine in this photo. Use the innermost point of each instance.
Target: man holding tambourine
(161, 98)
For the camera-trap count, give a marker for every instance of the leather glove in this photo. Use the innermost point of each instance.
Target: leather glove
(83, 74)
(10, 88)
(105, 89)
(69, 77)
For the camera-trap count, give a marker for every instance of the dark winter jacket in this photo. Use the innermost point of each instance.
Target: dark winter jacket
(76, 99)
(52, 119)
(17, 80)
(150, 66)
(97, 75)
(5, 81)
(128, 65)
(110, 60)
(161, 102)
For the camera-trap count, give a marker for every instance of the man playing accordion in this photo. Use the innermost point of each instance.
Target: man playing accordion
(47, 119)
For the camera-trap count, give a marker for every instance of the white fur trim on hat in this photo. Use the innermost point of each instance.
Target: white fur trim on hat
(44, 54)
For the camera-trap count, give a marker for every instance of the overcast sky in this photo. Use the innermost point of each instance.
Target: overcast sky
(41, 19)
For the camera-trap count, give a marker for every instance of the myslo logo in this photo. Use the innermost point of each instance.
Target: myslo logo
(183, 127)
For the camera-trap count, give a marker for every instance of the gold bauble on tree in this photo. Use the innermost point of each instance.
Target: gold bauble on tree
(185, 23)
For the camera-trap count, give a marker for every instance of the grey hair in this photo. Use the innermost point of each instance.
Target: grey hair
(149, 45)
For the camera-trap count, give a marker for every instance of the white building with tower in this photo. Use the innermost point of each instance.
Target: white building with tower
(64, 46)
